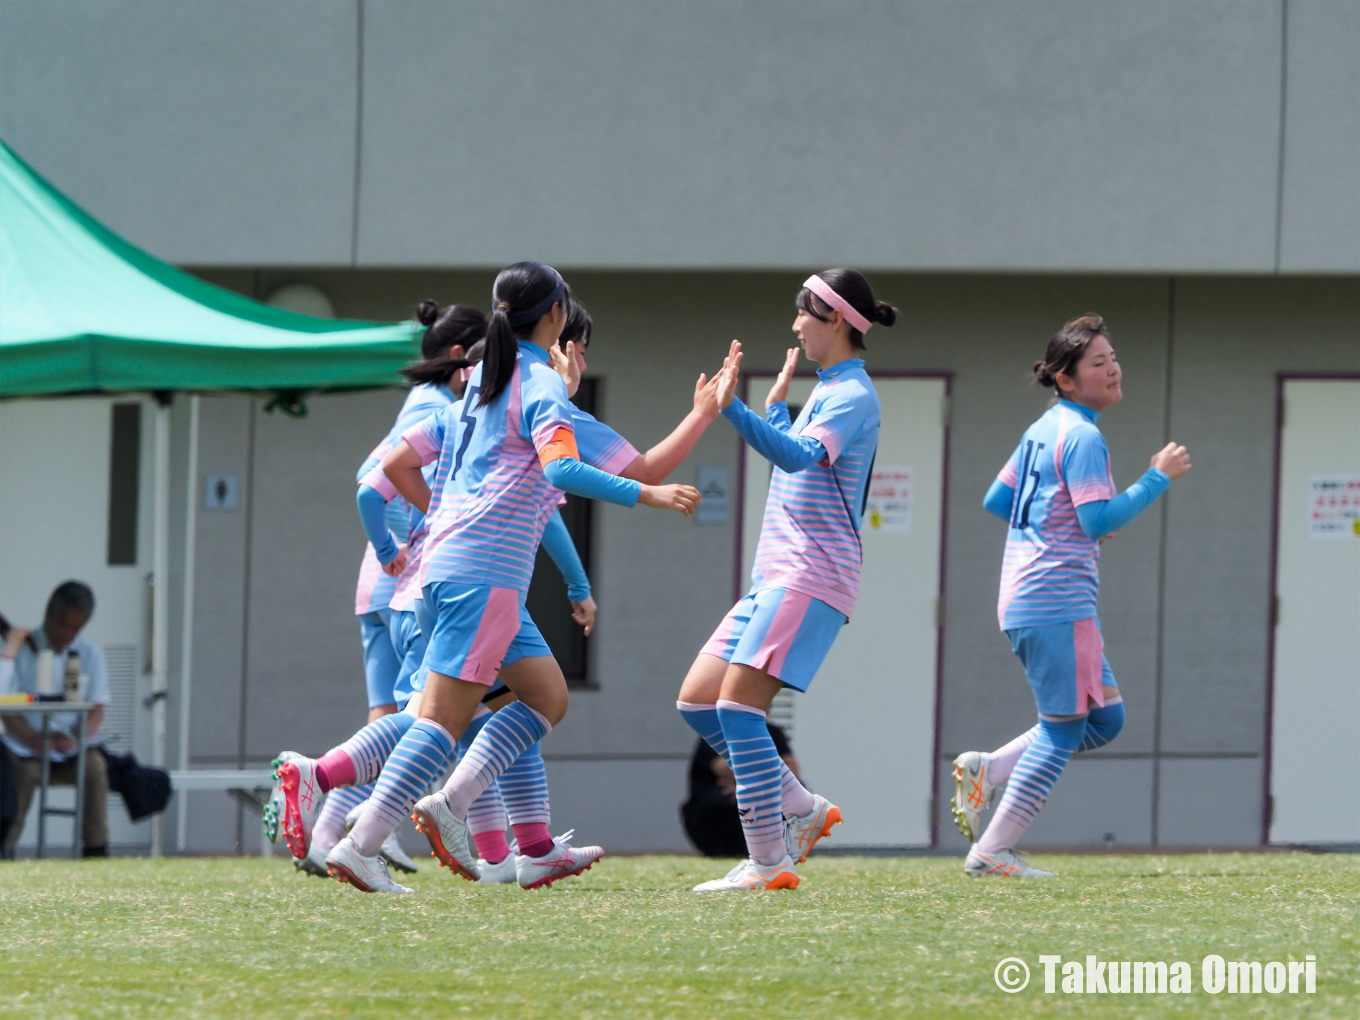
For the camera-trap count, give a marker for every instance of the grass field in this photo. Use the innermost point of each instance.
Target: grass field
(874, 937)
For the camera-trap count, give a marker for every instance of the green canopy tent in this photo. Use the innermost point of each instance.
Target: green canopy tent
(84, 311)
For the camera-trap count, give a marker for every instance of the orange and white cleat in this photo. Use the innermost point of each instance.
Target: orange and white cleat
(750, 875)
(973, 791)
(295, 782)
(448, 835)
(999, 864)
(801, 832)
(367, 874)
(562, 861)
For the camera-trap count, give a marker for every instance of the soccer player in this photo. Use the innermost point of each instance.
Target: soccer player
(502, 461)
(1058, 496)
(806, 575)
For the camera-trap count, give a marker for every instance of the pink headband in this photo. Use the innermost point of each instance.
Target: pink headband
(823, 290)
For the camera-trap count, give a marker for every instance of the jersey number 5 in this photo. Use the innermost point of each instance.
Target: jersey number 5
(469, 400)
(1029, 479)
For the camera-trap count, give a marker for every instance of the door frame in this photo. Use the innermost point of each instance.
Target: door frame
(1273, 593)
(738, 573)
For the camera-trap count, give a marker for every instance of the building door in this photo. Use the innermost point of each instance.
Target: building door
(864, 734)
(1315, 697)
(76, 504)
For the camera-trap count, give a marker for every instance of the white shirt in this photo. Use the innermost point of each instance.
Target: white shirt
(21, 677)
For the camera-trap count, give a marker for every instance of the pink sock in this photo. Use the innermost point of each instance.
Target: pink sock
(795, 798)
(1003, 759)
(335, 768)
(491, 846)
(533, 838)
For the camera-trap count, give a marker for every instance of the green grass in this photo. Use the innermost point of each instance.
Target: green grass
(876, 937)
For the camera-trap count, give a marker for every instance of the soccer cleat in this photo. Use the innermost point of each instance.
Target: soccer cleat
(999, 864)
(273, 807)
(749, 875)
(394, 855)
(367, 874)
(296, 781)
(562, 861)
(972, 792)
(448, 835)
(801, 832)
(500, 873)
(313, 864)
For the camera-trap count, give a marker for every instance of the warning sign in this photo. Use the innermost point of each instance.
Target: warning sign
(1334, 507)
(889, 507)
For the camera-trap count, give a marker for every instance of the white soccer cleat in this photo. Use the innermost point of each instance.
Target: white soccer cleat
(313, 864)
(394, 855)
(562, 861)
(352, 816)
(273, 807)
(296, 781)
(500, 873)
(999, 864)
(801, 832)
(448, 835)
(367, 874)
(748, 875)
(973, 789)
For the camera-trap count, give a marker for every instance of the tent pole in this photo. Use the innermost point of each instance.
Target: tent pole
(186, 656)
(160, 604)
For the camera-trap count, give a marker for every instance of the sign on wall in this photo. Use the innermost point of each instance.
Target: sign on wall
(888, 509)
(1333, 507)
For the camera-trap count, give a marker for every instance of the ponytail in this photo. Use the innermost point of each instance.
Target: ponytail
(523, 294)
(435, 371)
(852, 288)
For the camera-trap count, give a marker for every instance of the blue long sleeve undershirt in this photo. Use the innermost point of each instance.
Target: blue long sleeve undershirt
(373, 516)
(1098, 519)
(773, 442)
(571, 475)
(557, 543)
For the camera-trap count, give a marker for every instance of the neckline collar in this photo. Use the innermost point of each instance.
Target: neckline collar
(532, 349)
(826, 374)
(1090, 414)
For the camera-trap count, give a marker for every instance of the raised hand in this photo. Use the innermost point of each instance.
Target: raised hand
(584, 613)
(1173, 460)
(706, 397)
(779, 392)
(395, 568)
(727, 378)
(683, 498)
(566, 365)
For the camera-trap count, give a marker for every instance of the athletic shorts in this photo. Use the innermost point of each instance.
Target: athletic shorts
(381, 664)
(409, 644)
(478, 630)
(780, 631)
(1065, 665)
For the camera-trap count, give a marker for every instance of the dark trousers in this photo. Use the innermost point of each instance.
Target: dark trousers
(28, 777)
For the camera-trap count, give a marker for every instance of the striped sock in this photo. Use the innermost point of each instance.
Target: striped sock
(418, 757)
(1031, 779)
(524, 785)
(330, 824)
(486, 818)
(1003, 759)
(703, 720)
(755, 763)
(504, 737)
(360, 758)
(1103, 725)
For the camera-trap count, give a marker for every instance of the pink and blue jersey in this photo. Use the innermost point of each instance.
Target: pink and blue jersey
(1050, 571)
(375, 589)
(810, 535)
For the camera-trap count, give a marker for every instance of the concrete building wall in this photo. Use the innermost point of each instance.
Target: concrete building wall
(1151, 135)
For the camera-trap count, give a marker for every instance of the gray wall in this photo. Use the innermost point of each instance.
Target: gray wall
(1152, 135)
(1185, 589)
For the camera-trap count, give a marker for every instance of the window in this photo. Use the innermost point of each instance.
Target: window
(125, 452)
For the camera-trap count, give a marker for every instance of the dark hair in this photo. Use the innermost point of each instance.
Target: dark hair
(1067, 347)
(523, 294)
(461, 325)
(70, 595)
(852, 286)
(578, 327)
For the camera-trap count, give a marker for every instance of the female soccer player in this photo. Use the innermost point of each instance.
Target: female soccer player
(502, 460)
(806, 575)
(1058, 495)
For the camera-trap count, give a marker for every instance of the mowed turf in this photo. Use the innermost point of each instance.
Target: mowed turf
(874, 937)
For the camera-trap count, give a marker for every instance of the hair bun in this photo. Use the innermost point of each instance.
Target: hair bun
(427, 312)
(1042, 375)
(884, 314)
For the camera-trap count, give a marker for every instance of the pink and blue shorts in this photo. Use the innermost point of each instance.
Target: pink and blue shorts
(779, 631)
(1065, 665)
(478, 630)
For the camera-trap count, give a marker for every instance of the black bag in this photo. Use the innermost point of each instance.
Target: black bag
(145, 789)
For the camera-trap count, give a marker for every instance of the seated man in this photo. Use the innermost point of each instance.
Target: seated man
(68, 610)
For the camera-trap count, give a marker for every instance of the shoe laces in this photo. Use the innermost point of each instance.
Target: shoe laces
(564, 840)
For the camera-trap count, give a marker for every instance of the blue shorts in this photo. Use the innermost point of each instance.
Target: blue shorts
(1065, 665)
(381, 664)
(478, 630)
(780, 631)
(409, 644)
